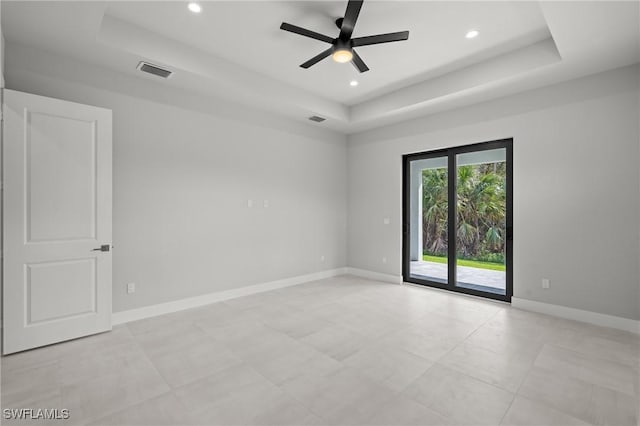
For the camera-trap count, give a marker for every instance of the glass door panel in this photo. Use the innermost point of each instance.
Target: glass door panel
(429, 211)
(481, 221)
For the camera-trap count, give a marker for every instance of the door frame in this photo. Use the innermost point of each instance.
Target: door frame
(451, 154)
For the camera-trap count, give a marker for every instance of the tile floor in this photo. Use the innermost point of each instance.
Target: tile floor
(338, 351)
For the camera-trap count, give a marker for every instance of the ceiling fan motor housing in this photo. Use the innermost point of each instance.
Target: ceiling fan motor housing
(339, 44)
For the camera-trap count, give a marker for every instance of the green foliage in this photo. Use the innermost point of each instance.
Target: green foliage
(490, 257)
(481, 209)
(465, 262)
(484, 257)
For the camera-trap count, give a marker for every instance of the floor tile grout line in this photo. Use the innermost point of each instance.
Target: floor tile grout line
(517, 392)
(546, 404)
(420, 402)
(589, 357)
(155, 367)
(472, 377)
(513, 398)
(278, 386)
(467, 337)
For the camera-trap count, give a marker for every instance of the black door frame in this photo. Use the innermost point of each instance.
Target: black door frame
(451, 154)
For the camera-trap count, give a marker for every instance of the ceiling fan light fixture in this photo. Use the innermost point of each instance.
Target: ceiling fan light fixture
(342, 56)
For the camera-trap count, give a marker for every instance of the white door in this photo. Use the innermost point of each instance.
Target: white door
(57, 212)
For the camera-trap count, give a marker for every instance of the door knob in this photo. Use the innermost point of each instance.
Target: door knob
(104, 247)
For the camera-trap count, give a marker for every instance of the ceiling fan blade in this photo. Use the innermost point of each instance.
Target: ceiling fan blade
(305, 32)
(380, 38)
(317, 58)
(358, 62)
(350, 18)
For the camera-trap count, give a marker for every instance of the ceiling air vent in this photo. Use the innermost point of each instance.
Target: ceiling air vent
(154, 69)
(317, 118)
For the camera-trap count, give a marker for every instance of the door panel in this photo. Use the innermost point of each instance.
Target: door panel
(57, 211)
(46, 280)
(63, 208)
(481, 220)
(429, 219)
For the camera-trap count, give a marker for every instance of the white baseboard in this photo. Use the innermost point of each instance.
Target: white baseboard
(122, 317)
(377, 276)
(206, 299)
(595, 318)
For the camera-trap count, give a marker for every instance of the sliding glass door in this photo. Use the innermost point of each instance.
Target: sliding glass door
(457, 219)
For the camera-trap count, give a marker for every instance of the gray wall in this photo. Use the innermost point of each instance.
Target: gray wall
(1, 133)
(576, 188)
(184, 169)
(1, 51)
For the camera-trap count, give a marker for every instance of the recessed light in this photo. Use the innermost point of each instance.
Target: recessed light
(353, 83)
(195, 7)
(472, 34)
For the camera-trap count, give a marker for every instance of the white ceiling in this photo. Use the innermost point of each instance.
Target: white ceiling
(234, 49)
(248, 34)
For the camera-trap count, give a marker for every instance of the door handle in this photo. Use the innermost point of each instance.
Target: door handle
(104, 247)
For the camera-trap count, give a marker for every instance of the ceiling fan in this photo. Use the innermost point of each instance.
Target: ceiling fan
(341, 49)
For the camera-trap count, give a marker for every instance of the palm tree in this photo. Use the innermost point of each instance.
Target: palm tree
(480, 204)
(481, 209)
(435, 210)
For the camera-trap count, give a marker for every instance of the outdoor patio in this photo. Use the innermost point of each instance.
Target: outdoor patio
(477, 278)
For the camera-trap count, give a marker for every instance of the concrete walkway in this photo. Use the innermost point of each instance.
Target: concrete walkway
(465, 274)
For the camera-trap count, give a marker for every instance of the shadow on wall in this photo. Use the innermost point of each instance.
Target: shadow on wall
(25, 60)
(580, 90)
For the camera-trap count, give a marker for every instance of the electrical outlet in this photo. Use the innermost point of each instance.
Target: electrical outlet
(266, 204)
(249, 203)
(131, 288)
(386, 221)
(384, 260)
(545, 283)
(322, 258)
